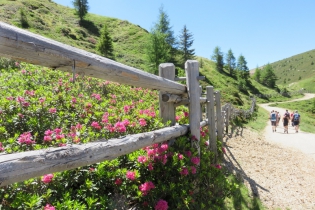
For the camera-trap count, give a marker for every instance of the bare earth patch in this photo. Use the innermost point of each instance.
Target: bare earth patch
(282, 177)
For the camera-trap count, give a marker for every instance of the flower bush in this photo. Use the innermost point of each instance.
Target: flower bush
(41, 108)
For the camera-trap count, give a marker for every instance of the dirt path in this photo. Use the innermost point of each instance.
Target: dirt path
(278, 170)
(305, 142)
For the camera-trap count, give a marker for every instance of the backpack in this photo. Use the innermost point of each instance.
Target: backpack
(296, 117)
(287, 115)
(273, 117)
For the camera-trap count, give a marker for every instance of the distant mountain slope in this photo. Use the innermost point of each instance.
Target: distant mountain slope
(295, 68)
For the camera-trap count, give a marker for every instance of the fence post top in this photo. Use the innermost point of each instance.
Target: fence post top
(166, 65)
(191, 62)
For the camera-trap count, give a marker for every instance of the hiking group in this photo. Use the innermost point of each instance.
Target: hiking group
(294, 117)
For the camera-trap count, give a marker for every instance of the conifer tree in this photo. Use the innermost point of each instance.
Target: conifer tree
(81, 8)
(268, 76)
(230, 62)
(185, 42)
(242, 67)
(163, 26)
(218, 58)
(257, 75)
(157, 51)
(105, 44)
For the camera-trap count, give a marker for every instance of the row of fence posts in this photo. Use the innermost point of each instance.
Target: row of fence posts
(195, 102)
(217, 117)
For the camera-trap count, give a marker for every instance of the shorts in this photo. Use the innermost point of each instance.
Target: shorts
(296, 122)
(273, 123)
(285, 123)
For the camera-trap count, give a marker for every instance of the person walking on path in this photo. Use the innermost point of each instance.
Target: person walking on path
(278, 118)
(273, 119)
(285, 120)
(291, 117)
(296, 118)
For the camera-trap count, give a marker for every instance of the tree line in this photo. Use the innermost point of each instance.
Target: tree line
(163, 46)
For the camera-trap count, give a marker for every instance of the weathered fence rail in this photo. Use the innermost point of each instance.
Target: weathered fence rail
(32, 48)
(25, 46)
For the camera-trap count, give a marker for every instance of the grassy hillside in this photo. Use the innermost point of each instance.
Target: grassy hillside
(59, 23)
(296, 72)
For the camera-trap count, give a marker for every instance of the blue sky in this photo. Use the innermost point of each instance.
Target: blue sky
(263, 31)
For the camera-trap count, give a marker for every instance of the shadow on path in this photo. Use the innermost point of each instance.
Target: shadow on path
(235, 167)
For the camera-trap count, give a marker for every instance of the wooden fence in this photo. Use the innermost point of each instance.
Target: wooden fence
(22, 45)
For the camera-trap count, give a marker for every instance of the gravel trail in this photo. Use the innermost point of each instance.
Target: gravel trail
(278, 168)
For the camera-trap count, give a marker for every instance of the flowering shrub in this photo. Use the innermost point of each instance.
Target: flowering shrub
(44, 108)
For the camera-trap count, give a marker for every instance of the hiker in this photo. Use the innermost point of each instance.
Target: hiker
(278, 118)
(291, 116)
(296, 118)
(285, 120)
(273, 119)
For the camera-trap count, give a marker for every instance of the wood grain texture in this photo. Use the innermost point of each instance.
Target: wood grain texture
(192, 72)
(211, 120)
(219, 116)
(167, 109)
(22, 166)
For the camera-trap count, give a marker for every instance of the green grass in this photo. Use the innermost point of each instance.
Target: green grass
(59, 23)
(258, 123)
(297, 71)
(241, 198)
(307, 111)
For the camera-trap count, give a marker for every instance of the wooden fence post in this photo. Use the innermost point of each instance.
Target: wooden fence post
(192, 72)
(201, 105)
(219, 116)
(167, 109)
(211, 122)
(227, 118)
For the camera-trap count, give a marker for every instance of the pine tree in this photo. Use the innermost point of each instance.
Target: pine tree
(218, 58)
(105, 44)
(257, 75)
(242, 67)
(81, 7)
(185, 42)
(230, 62)
(163, 26)
(268, 76)
(157, 51)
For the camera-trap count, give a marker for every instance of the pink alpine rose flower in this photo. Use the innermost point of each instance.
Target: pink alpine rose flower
(180, 156)
(161, 205)
(47, 178)
(146, 187)
(49, 207)
(47, 138)
(131, 175)
(96, 125)
(150, 167)
(195, 160)
(142, 122)
(118, 181)
(186, 114)
(26, 138)
(184, 171)
(142, 159)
